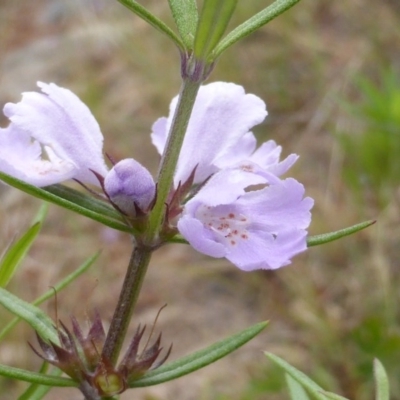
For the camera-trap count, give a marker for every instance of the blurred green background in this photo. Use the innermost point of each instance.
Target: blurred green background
(330, 75)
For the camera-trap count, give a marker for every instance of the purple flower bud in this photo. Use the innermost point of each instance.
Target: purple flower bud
(128, 184)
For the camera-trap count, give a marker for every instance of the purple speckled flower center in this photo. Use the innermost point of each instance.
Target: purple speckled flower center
(228, 227)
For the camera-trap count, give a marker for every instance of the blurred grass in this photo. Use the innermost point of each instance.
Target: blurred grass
(336, 307)
(373, 170)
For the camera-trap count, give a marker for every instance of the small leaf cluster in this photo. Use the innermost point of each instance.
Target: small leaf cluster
(200, 38)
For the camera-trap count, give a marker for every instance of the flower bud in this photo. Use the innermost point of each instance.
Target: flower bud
(80, 356)
(129, 185)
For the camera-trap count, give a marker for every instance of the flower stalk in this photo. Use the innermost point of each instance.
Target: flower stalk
(141, 255)
(169, 159)
(134, 277)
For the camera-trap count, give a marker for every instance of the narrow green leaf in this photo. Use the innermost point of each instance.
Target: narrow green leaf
(381, 381)
(83, 200)
(178, 239)
(214, 18)
(186, 17)
(151, 19)
(36, 391)
(57, 288)
(312, 240)
(308, 384)
(35, 377)
(16, 254)
(80, 203)
(200, 359)
(33, 387)
(252, 24)
(41, 214)
(34, 316)
(296, 391)
(329, 237)
(332, 396)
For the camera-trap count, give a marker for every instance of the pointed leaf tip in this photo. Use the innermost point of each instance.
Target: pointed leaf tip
(252, 24)
(199, 359)
(17, 251)
(307, 383)
(331, 236)
(381, 381)
(34, 316)
(152, 20)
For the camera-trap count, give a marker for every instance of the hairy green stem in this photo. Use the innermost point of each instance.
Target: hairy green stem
(170, 157)
(140, 257)
(126, 303)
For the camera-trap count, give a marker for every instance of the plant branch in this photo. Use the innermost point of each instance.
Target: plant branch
(126, 303)
(171, 153)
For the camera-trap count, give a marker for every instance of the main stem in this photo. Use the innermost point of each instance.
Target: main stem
(88, 392)
(141, 255)
(134, 277)
(171, 153)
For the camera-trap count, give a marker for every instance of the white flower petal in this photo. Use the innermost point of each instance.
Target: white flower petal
(60, 121)
(222, 115)
(21, 158)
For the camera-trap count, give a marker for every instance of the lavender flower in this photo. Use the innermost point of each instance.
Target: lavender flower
(254, 229)
(54, 137)
(218, 135)
(260, 229)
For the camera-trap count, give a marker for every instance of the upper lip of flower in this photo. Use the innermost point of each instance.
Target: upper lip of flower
(221, 118)
(58, 122)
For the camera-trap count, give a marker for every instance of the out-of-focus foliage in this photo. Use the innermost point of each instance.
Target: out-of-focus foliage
(372, 150)
(17, 251)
